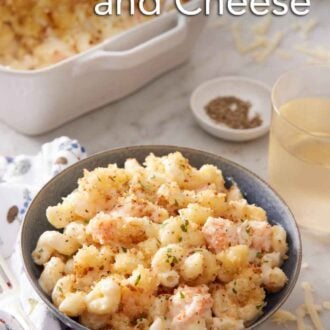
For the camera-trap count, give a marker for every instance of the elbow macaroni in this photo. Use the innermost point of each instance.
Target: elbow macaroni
(53, 271)
(53, 241)
(73, 304)
(104, 298)
(192, 266)
(160, 246)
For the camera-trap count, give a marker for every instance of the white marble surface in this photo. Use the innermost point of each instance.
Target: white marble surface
(160, 114)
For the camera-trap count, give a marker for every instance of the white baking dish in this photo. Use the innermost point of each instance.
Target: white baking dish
(33, 102)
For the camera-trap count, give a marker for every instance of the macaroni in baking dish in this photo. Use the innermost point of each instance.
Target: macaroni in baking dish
(157, 246)
(38, 33)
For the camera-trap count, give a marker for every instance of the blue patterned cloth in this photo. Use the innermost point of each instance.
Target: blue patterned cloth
(20, 179)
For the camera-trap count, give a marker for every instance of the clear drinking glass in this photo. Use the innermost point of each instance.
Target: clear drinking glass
(299, 150)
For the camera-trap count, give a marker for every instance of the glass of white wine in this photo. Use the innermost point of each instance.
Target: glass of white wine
(299, 150)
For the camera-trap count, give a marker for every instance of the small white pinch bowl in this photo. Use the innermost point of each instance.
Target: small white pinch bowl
(256, 92)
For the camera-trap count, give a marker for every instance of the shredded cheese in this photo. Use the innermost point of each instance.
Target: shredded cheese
(319, 53)
(308, 308)
(300, 312)
(263, 47)
(285, 55)
(305, 28)
(272, 45)
(309, 302)
(283, 316)
(236, 31)
(258, 42)
(326, 305)
(318, 308)
(262, 28)
(308, 27)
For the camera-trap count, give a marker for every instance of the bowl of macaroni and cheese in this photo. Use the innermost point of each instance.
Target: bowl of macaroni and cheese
(160, 237)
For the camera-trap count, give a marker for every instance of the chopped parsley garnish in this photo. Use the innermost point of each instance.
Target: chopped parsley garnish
(258, 254)
(248, 229)
(138, 278)
(163, 224)
(234, 289)
(172, 260)
(184, 227)
(181, 295)
(143, 185)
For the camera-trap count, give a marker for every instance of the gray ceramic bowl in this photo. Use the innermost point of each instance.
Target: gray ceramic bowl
(255, 190)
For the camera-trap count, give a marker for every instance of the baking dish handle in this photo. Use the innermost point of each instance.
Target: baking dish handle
(142, 53)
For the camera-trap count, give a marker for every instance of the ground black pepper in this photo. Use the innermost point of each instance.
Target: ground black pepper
(232, 112)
